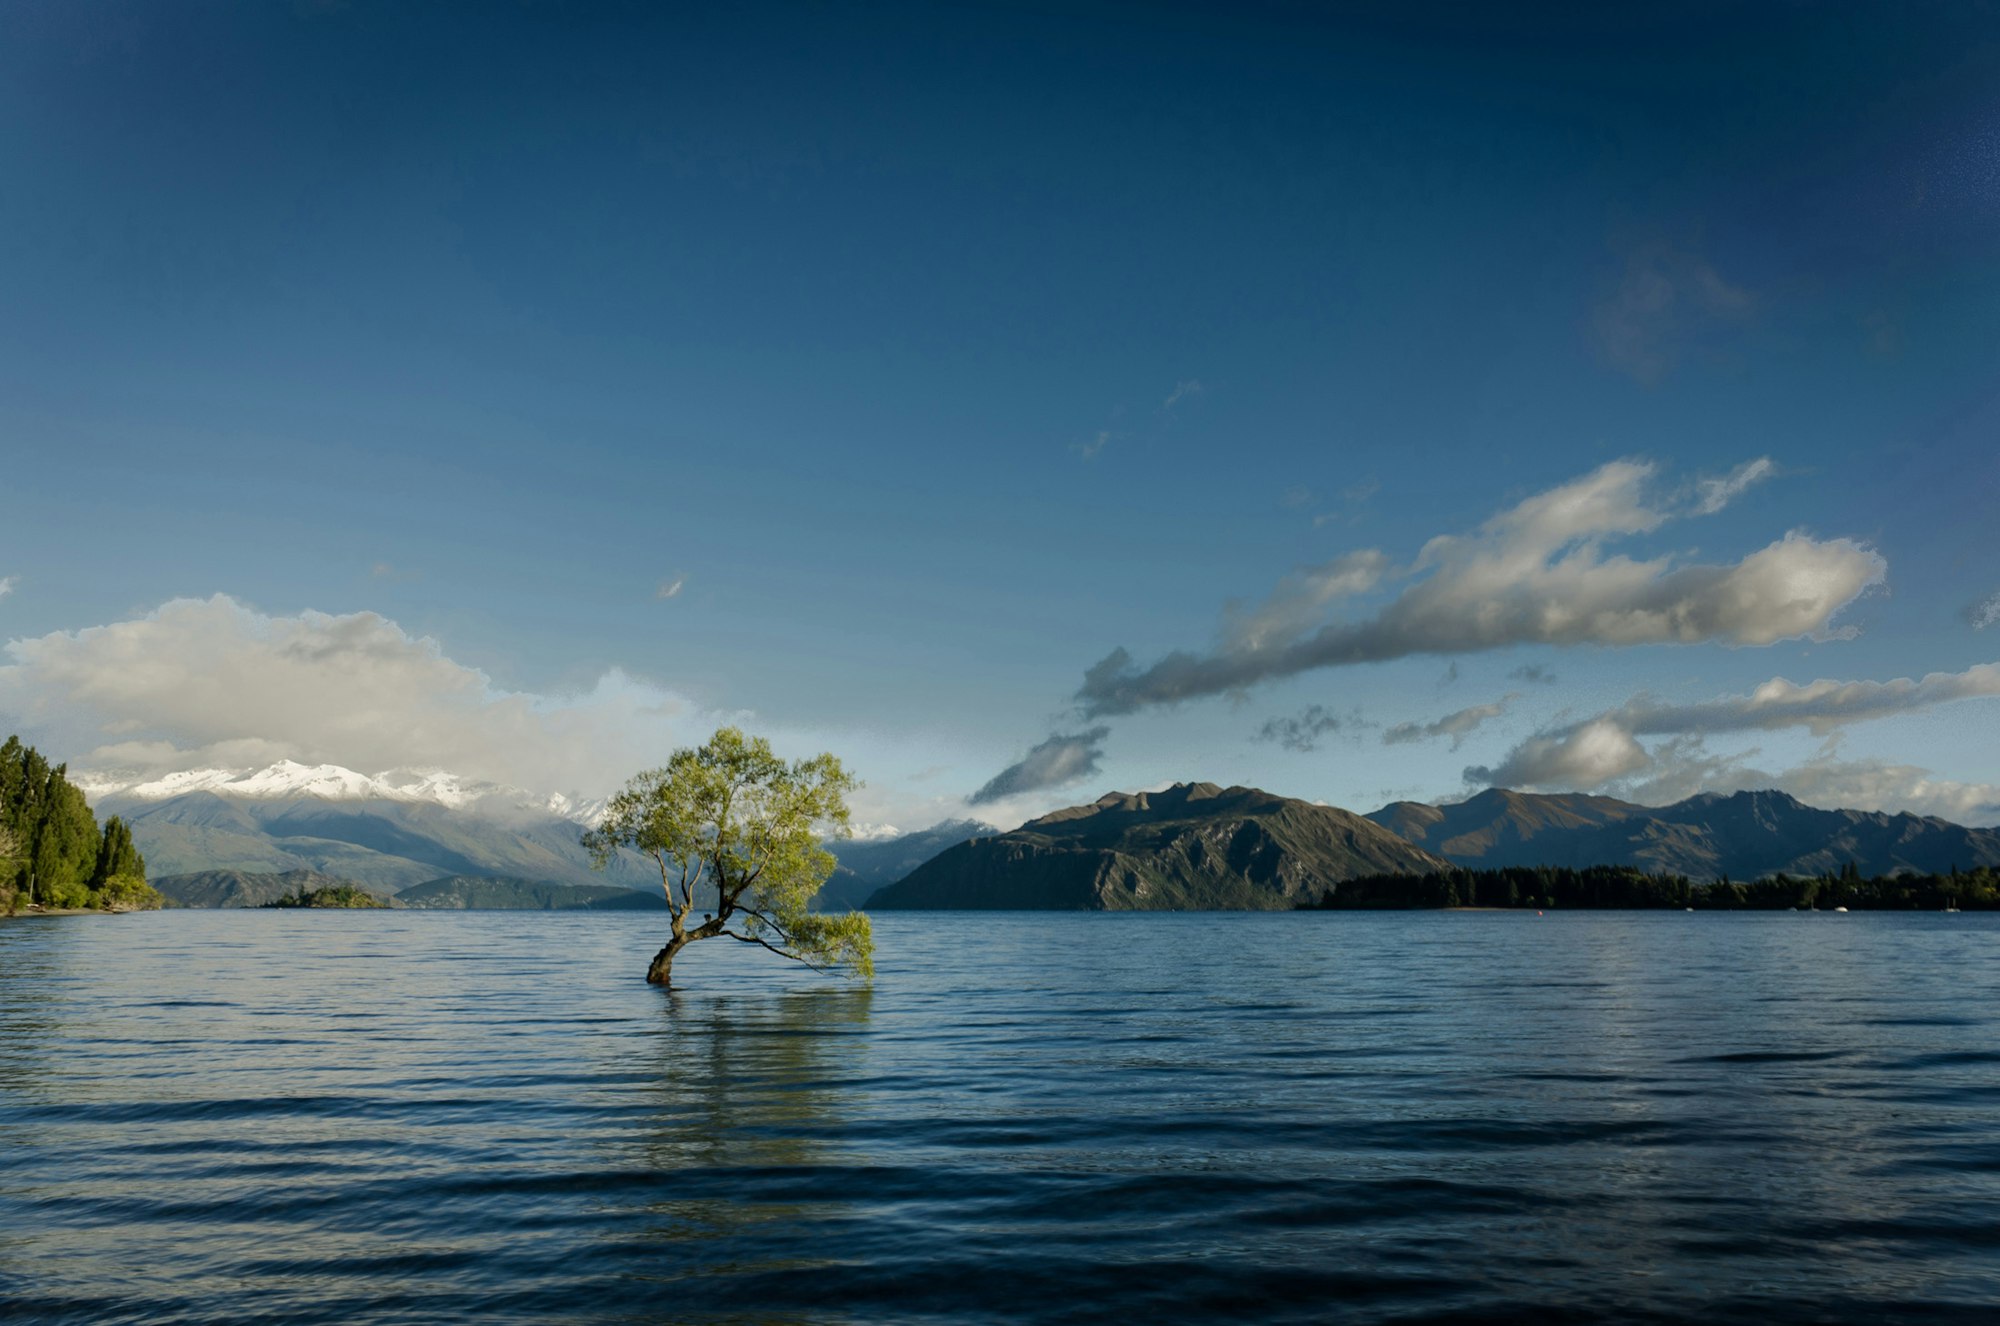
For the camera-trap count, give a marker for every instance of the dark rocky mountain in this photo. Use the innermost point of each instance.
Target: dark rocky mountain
(867, 866)
(1743, 835)
(1194, 846)
(383, 845)
(239, 888)
(486, 893)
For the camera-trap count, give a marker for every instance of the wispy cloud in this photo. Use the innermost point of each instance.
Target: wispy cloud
(1183, 390)
(391, 572)
(1457, 725)
(1089, 450)
(7, 584)
(1301, 731)
(1713, 494)
(1665, 301)
(671, 588)
(1536, 573)
(1982, 614)
(1062, 759)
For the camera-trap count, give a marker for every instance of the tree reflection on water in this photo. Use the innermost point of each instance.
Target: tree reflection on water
(746, 1099)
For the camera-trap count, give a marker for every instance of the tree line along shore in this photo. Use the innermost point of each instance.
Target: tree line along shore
(1605, 887)
(54, 856)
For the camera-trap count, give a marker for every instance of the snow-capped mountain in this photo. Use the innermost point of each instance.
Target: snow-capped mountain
(288, 779)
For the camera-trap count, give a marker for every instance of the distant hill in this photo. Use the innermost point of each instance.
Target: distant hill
(479, 893)
(867, 866)
(383, 844)
(1744, 835)
(1194, 846)
(240, 888)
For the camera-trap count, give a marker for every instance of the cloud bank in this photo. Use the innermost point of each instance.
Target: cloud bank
(212, 683)
(1536, 573)
(1062, 759)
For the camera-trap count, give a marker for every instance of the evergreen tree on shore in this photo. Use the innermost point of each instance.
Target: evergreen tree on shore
(52, 852)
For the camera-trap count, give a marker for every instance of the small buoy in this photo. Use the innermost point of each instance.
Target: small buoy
(1538, 913)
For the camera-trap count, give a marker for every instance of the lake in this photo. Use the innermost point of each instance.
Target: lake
(1409, 1117)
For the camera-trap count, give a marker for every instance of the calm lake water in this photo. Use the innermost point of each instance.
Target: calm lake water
(404, 1116)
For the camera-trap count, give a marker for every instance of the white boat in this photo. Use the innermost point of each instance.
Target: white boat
(1840, 909)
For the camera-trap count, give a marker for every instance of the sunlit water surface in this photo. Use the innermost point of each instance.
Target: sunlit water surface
(403, 1116)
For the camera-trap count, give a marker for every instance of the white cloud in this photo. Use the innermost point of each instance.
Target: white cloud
(1604, 753)
(1536, 573)
(1983, 614)
(1300, 599)
(1713, 494)
(1587, 756)
(7, 584)
(671, 588)
(1819, 706)
(213, 683)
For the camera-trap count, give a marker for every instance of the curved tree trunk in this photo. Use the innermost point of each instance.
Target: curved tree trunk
(661, 972)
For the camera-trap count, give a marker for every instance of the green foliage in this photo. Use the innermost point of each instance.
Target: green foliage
(52, 853)
(128, 893)
(732, 818)
(117, 855)
(333, 895)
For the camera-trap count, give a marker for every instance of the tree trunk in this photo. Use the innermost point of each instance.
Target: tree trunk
(661, 972)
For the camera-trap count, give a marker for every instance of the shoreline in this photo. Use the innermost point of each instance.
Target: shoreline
(38, 910)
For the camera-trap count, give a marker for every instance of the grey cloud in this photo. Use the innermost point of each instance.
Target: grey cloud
(1457, 725)
(1533, 574)
(1056, 762)
(1301, 731)
(1534, 673)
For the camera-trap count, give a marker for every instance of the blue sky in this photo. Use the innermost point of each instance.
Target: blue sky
(937, 353)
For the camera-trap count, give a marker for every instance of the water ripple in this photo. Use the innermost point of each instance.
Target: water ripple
(414, 1117)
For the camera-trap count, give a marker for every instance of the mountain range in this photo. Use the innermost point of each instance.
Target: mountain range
(1744, 835)
(1193, 846)
(384, 832)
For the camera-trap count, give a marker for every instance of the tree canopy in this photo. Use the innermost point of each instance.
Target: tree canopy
(731, 821)
(52, 853)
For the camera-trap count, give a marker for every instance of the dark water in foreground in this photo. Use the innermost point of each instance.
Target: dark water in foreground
(1413, 1117)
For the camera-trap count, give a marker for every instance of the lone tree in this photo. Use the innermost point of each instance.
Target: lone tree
(733, 817)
